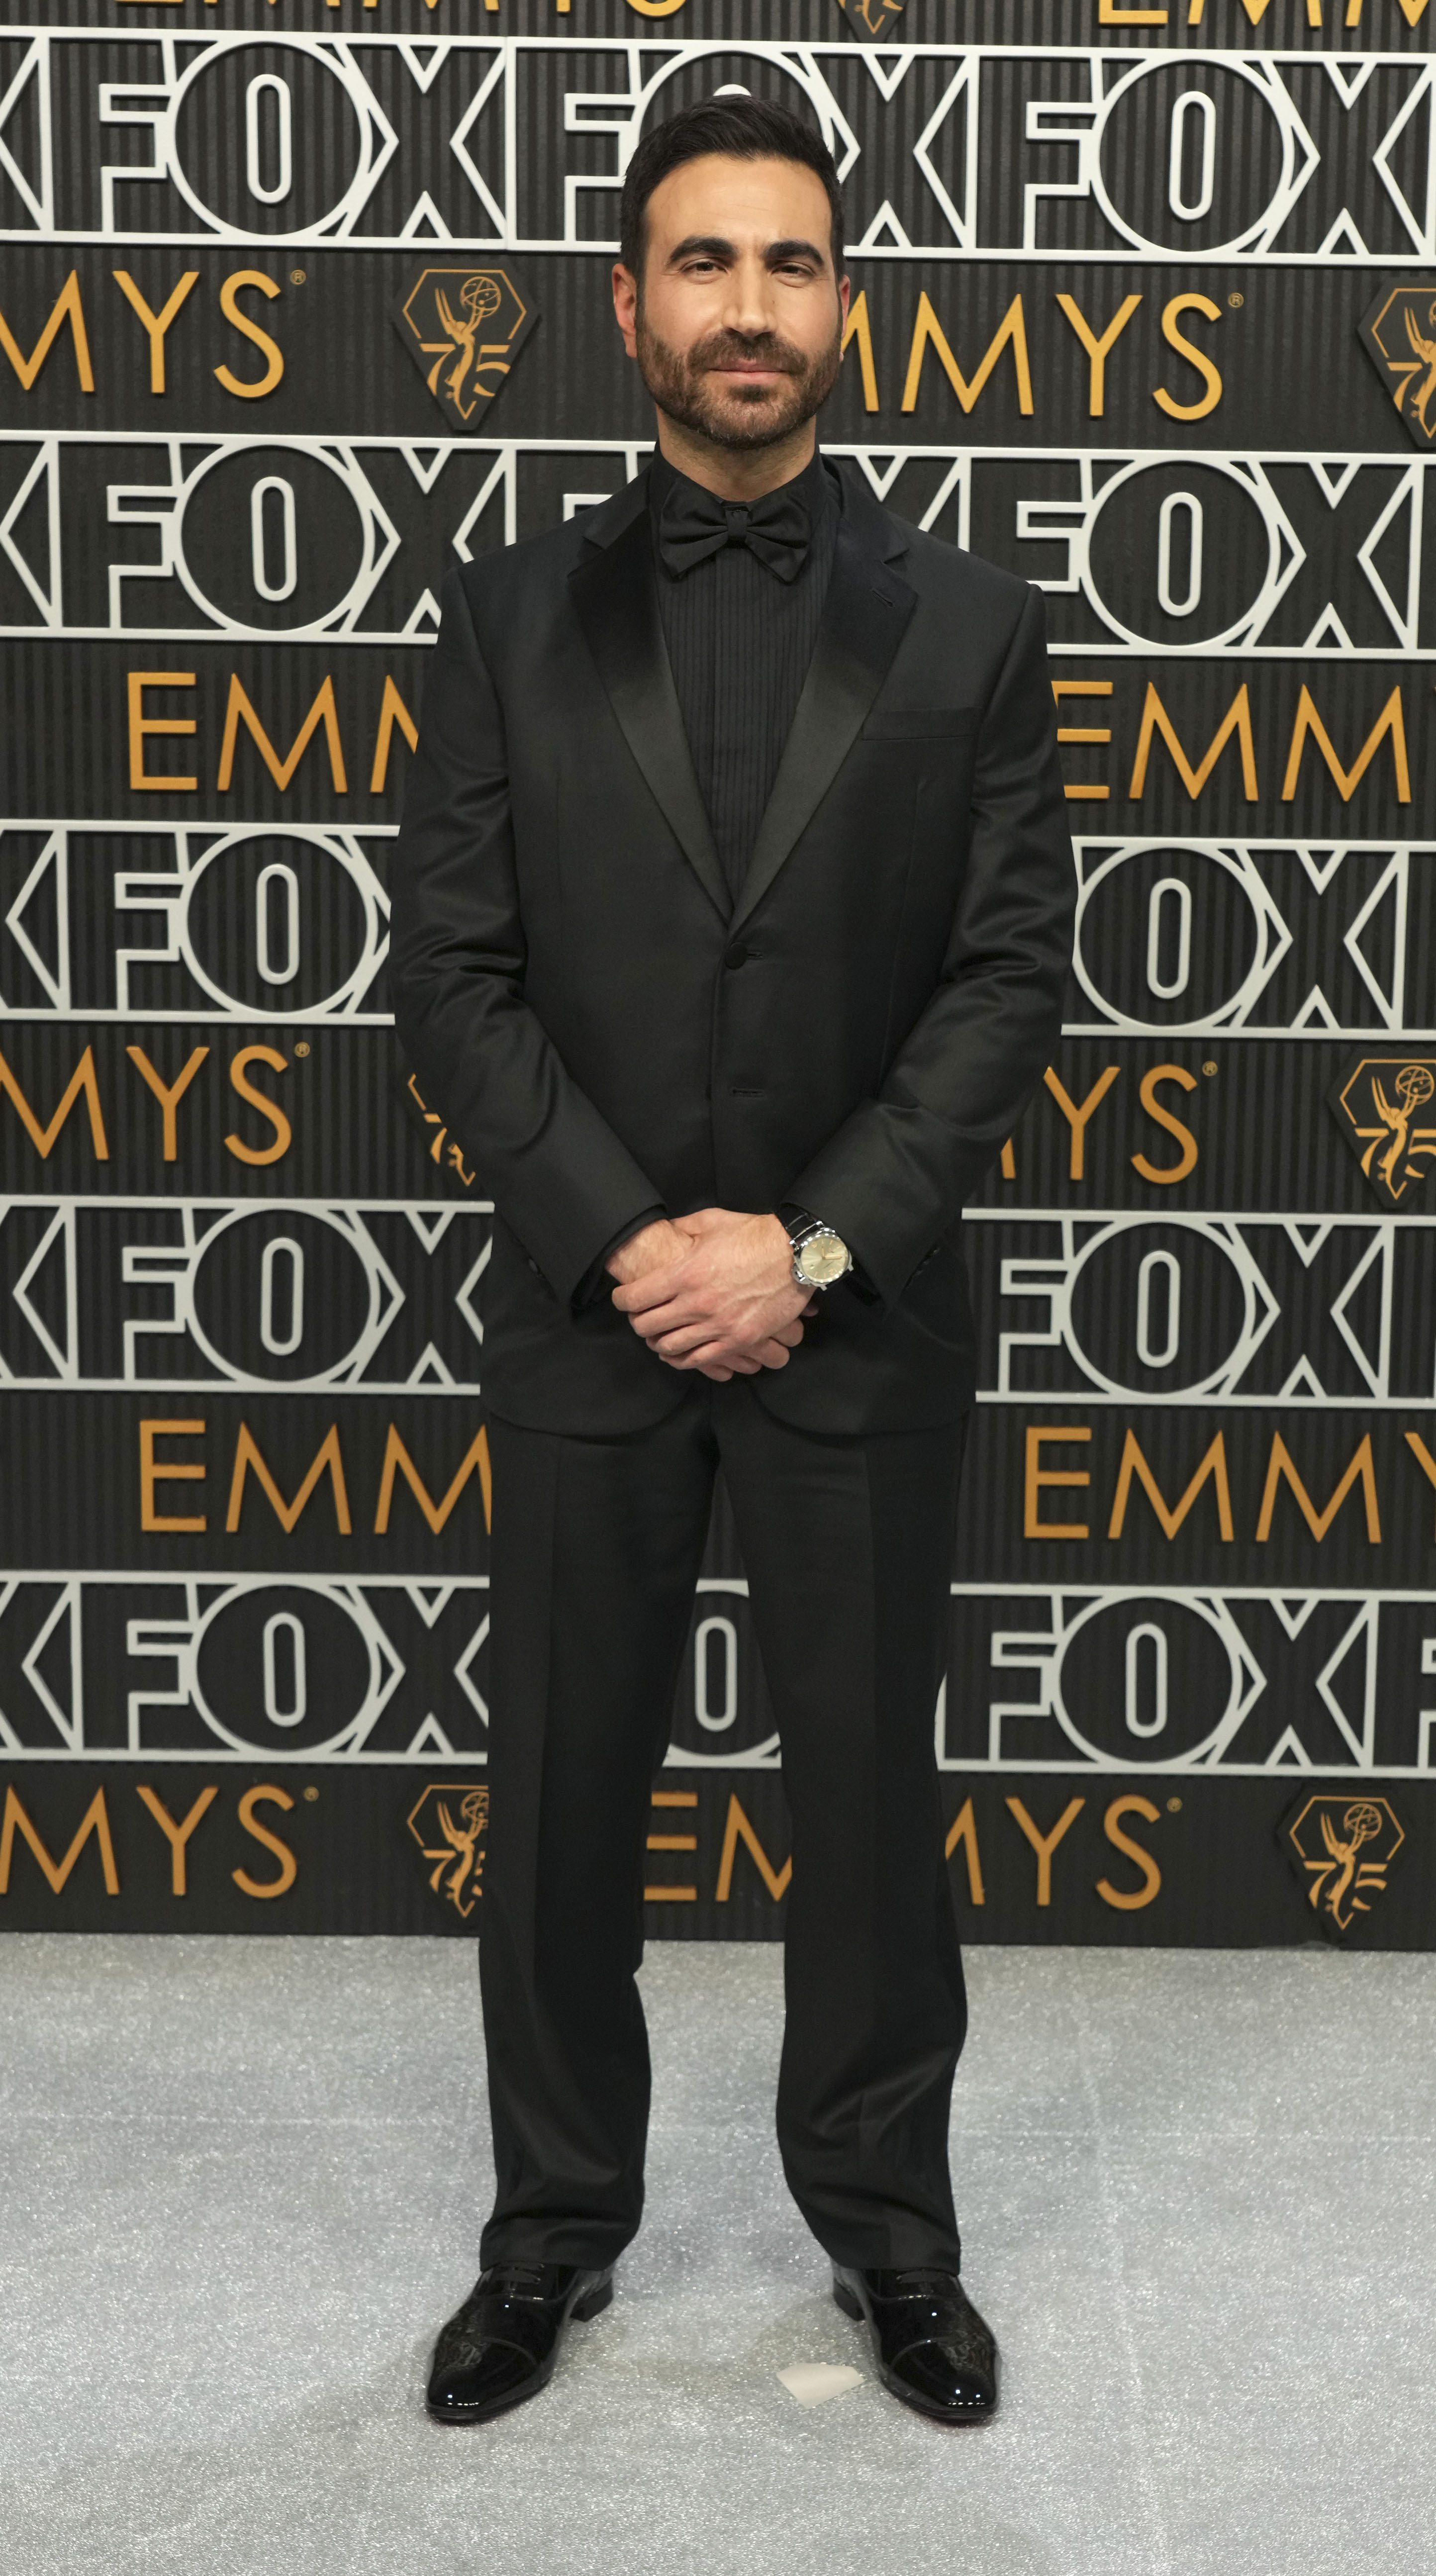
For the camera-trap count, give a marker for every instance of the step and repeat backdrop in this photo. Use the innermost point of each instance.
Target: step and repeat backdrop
(304, 300)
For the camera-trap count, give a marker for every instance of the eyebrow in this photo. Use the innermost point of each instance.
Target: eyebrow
(713, 246)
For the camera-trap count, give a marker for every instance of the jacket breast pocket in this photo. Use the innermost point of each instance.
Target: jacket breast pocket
(921, 724)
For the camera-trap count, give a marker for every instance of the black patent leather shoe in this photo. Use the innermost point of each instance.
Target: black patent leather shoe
(933, 2349)
(504, 2342)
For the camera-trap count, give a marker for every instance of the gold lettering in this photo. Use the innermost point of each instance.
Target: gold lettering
(1045, 1844)
(1151, 1875)
(1038, 1476)
(1362, 1466)
(169, 1095)
(1413, 11)
(1422, 1456)
(323, 711)
(1195, 357)
(66, 308)
(1308, 721)
(83, 1079)
(670, 1895)
(265, 384)
(177, 1835)
(288, 1865)
(928, 328)
(1090, 792)
(1077, 1118)
(155, 324)
(1155, 720)
(140, 725)
(327, 1457)
(95, 1820)
(859, 327)
(1167, 1174)
(160, 1471)
(392, 711)
(1213, 1464)
(283, 1132)
(1097, 350)
(1256, 10)
(775, 1881)
(963, 1829)
(475, 1460)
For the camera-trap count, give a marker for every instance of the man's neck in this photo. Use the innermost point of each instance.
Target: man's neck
(735, 473)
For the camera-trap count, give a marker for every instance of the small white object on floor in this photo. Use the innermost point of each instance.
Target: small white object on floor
(813, 2382)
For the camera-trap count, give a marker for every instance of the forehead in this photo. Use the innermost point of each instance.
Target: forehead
(744, 201)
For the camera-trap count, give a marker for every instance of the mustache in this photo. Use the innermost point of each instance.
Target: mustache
(731, 348)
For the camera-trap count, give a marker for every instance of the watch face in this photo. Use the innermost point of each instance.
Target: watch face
(824, 1258)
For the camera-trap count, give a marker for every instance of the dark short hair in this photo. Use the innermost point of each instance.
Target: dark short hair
(745, 129)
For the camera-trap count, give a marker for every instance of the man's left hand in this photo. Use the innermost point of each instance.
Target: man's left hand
(732, 1297)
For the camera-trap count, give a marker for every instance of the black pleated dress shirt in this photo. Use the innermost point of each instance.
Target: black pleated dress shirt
(740, 640)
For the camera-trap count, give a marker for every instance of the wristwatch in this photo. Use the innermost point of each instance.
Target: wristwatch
(819, 1255)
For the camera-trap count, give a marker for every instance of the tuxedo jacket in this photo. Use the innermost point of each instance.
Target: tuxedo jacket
(606, 1031)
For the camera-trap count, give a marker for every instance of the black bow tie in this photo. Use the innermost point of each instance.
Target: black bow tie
(694, 524)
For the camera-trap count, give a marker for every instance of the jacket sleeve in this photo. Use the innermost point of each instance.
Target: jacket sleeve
(557, 1173)
(893, 1178)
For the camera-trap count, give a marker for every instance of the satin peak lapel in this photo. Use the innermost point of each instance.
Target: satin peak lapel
(865, 617)
(617, 606)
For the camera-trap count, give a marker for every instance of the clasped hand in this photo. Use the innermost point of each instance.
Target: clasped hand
(713, 1292)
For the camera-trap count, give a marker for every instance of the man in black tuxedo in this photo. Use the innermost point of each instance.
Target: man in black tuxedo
(732, 915)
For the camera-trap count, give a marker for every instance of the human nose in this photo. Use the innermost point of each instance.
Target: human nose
(750, 305)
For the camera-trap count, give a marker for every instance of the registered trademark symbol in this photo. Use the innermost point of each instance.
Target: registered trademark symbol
(1234, 299)
(296, 278)
(1172, 1803)
(312, 1794)
(1208, 1067)
(303, 1049)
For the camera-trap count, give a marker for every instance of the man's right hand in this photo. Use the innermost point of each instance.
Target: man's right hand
(658, 1246)
(663, 1246)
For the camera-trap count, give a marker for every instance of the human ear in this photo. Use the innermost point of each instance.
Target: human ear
(625, 306)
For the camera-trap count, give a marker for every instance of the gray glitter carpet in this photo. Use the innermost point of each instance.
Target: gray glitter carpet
(243, 2185)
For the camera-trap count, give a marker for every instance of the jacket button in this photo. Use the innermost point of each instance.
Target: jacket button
(738, 956)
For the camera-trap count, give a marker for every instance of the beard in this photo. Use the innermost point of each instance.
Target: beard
(736, 416)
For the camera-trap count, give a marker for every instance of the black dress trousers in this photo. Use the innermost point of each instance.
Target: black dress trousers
(848, 1544)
